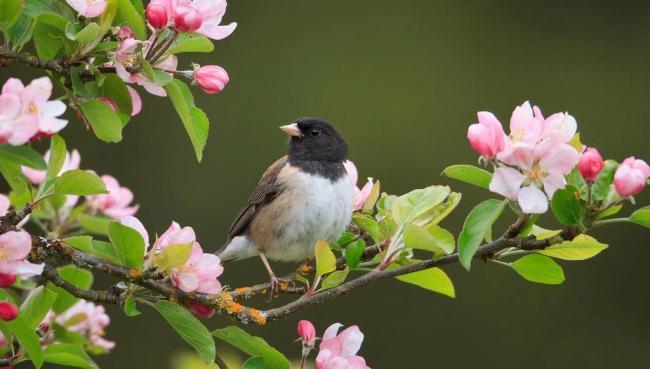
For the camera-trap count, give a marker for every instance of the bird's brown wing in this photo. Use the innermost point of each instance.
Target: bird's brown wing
(267, 189)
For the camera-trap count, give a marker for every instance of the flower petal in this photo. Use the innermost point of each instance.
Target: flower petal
(506, 182)
(532, 200)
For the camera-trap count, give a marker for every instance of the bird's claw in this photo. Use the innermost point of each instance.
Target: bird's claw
(276, 284)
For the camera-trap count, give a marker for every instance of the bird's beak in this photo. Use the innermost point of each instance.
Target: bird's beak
(291, 130)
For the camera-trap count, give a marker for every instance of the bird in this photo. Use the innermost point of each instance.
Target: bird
(302, 198)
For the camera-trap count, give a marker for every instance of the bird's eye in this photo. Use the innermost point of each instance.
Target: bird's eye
(314, 132)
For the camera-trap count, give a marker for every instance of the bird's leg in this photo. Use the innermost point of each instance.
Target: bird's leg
(275, 281)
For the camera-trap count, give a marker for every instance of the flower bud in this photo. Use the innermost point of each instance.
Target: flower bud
(187, 19)
(157, 15)
(307, 333)
(631, 176)
(486, 137)
(7, 280)
(211, 78)
(8, 311)
(124, 32)
(590, 164)
(201, 311)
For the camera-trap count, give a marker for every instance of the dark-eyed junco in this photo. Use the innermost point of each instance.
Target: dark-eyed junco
(303, 197)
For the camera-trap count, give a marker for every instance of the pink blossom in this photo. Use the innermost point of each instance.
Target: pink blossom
(88, 8)
(14, 248)
(5, 204)
(124, 32)
(175, 235)
(36, 176)
(631, 176)
(487, 137)
(360, 195)
(136, 101)
(126, 57)
(211, 78)
(340, 351)
(136, 224)
(8, 311)
(116, 202)
(590, 164)
(25, 111)
(200, 272)
(187, 19)
(88, 319)
(157, 15)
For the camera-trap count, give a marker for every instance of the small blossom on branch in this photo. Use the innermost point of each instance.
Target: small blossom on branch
(631, 177)
(14, 248)
(340, 350)
(88, 319)
(116, 202)
(211, 78)
(88, 8)
(591, 163)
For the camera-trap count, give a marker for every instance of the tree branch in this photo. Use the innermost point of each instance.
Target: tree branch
(25, 58)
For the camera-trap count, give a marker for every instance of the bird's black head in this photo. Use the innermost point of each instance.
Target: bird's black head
(313, 139)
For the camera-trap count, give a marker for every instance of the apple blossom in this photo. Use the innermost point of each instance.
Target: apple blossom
(116, 202)
(124, 32)
(88, 319)
(340, 351)
(211, 78)
(14, 248)
(631, 176)
(8, 310)
(360, 195)
(200, 272)
(157, 15)
(136, 101)
(175, 235)
(211, 12)
(88, 8)
(126, 58)
(187, 19)
(590, 164)
(36, 176)
(487, 137)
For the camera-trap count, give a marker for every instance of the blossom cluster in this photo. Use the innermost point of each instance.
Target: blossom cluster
(337, 350)
(532, 161)
(88, 319)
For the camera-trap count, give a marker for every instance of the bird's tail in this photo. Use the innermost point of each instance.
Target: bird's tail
(236, 249)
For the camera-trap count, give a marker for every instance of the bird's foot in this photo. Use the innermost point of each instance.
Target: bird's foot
(277, 284)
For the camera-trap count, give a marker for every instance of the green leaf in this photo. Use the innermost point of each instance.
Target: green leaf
(57, 156)
(434, 279)
(603, 182)
(27, 337)
(191, 43)
(253, 346)
(15, 178)
(105, 122)
(542, 234)
(173, 256)
(580, 248)
(334, 279)
(256, 362)
(469, 174)
(369, 206)
(49, 35)
(128, 244)
(79, 182)
(81, 278)
(477, 226)
(9, 12)
(161, 78)
(94, 224)
(369, 225)
(130, 308)
(22, 155)
(417, 205)
(115, 89)
(36, 306)
(87, 34)
(86, 244)
(641, 216)
(127, 13)
(432, 238)
(325, 259)
(353, 253)
(612, 210)
(67, 354)
(194, 119)
(189, 328)
(539, 269)
(441, 211)
(22, 30)
(567, 207)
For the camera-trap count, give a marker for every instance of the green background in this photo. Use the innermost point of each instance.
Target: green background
(402, 81)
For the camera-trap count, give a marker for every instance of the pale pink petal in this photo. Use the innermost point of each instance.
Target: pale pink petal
(13, 86)
(15, 245)
(119, 213)
(186, 281)
(217, 32)
(519, 154)
(507, 182)
(95, 8)
(51, 125)
(332, 331)
(353, 175)
(52, 108)
(560, 127)
(25, 269)
(351, 339)
(532, 200)
(562, 159)
(4, 204)
(10, 105)
(79, 5)
(34, 175)
(553, 182)
(24, 129)
(136, 101)
(357, 362)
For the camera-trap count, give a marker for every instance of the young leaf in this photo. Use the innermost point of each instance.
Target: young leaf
(325, 259)
(49, 35)
(567, 207)
(434, 279)
(369, 206)
(256, 362)
(127, 13)
(36, 306)
(27, 337)
(87, 34)
(105, 122)
(539, 269)
(22, 155)
(440, 212)
(580, 248)
(603, 182)
(57, 156)
(189, 328)
(22, 30)
(93, 247)
(477, 226)
(641, 216)
(369, 225)
(334, 279)
(191, 43)
(469, 174)
(130, 308)
(433, 238)
(79, 182)
(417, 204)
(253, 346)
(67, 354)
(194, 119)
(94, 224)
(353, 253)
(128, 244)
(9, 12)
(81, 278)
(173, 256)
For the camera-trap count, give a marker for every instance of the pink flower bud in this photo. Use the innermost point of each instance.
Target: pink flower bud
(590, 164)
(486, 137)
(125, 32)
(110, 102)
(211, 78)
(7, 280)
(157, 15)
(8, 311)
(631, 176)
(187, 19)
(307, 333)
(201, 311)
